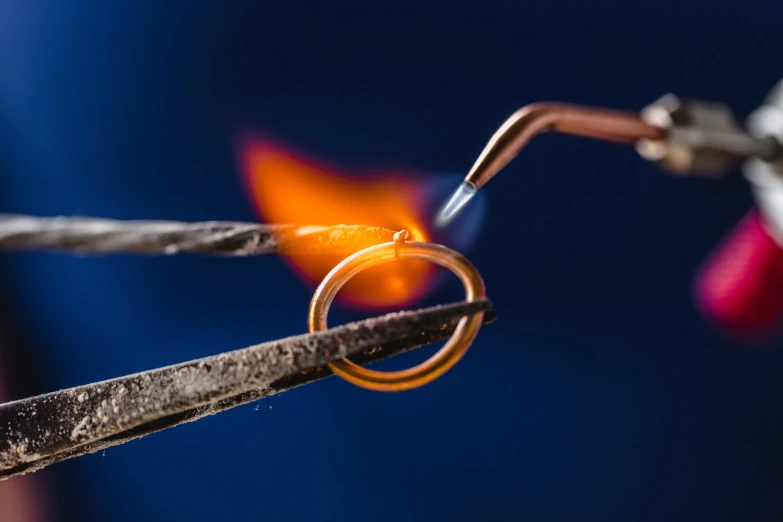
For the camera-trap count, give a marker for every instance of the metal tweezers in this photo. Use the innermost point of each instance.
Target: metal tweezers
(46, 429)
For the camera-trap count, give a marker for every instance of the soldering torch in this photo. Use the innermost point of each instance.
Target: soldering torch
(740, 287)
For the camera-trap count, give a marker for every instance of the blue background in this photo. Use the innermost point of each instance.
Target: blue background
(600, 395)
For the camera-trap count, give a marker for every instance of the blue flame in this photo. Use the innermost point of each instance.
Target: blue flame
(463, 227)
(459, 199)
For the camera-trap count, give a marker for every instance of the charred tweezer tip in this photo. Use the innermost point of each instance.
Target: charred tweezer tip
(40, 431)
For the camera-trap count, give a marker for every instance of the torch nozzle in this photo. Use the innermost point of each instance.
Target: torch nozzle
(685, 137)
(527, 122)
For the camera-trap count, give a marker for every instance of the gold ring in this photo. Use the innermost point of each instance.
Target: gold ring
(446, 357)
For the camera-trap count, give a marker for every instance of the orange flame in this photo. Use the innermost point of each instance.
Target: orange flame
(290, 189)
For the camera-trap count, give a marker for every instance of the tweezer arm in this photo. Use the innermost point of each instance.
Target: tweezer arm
(40, 431)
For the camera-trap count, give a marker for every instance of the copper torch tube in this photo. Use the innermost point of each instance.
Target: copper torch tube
(527, 122)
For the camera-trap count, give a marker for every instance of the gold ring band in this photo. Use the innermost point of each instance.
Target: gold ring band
(446, 357)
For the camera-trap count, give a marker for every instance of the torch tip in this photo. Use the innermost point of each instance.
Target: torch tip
(455, 204)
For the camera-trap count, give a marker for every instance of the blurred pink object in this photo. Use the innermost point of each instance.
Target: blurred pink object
(740, 287)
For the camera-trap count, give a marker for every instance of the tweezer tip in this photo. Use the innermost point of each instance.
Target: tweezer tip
(455, 204)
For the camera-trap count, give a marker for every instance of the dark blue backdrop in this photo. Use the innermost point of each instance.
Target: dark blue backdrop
(600, 395)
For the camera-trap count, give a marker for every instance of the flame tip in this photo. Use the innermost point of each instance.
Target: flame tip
(288, 188)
